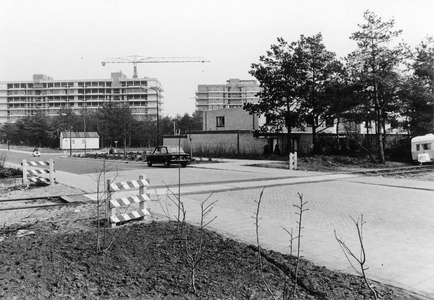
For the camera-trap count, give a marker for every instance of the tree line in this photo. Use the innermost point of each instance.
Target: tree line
(113, 122)
(381, 82)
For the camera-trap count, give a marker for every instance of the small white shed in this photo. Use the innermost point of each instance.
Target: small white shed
(79, 140)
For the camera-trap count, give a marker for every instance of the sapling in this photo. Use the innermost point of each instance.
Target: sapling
(258, 244)
(101, 198)
(192, 252)
(300, 210)
(361, 259)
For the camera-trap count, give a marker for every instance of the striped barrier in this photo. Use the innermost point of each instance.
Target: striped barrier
(125, 202)
(293, 161)
(31, 175)
(129, 185)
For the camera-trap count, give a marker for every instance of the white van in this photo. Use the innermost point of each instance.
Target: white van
(422, 148)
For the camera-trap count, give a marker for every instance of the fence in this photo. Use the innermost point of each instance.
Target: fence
(125, 202)
(33, 175)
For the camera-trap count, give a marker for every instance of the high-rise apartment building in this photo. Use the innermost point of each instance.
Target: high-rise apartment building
(24, 98)
(235, 93)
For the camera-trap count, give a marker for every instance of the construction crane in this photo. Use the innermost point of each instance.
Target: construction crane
(136, 59)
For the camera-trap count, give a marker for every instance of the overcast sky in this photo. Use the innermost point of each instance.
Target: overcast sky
(70, 39)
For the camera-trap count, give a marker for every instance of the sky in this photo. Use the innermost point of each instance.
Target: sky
(69, 39)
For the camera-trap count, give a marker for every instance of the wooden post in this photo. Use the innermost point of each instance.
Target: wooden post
(25, 180)
(295, 161)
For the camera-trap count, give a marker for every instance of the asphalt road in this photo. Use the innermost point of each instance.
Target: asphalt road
(73, 165)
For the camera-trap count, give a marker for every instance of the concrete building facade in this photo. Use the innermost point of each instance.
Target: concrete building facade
(19, 99)
(235, 93)
(231, 119)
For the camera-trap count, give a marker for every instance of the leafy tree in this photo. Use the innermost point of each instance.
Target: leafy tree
(416, 106)
(166, 126)
(280, 80)
(9, 132)
(294, 79)
(187, 123)
(319, 68)
(424, 70)
(375, 65)
(115, 123)
(34, 130)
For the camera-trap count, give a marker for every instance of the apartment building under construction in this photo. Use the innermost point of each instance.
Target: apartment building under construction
(234, 93)
(19, 99)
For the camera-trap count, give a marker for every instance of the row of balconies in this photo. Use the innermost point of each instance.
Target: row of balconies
(74, 92)
(72, 85)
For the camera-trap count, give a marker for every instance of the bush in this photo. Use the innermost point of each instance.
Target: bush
(399, 150)
(10, 173)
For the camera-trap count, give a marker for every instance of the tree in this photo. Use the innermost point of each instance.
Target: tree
(416, 106)
(375, 67)
(188, 123)
(9, 132)
(279, 79)
(115, 122)
(319, 68)
(33, 130)
(424, 70)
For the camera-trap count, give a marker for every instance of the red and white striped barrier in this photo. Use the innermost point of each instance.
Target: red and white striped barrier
(31, 175)
(141, 199)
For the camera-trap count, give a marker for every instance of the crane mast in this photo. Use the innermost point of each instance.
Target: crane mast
(136, 59)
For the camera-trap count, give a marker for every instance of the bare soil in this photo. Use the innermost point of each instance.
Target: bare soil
(64, 253)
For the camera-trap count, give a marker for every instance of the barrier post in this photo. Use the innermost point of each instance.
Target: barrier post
(142, 191)
(51, 171)
(25, 180)
(110, 211)
(293, 161)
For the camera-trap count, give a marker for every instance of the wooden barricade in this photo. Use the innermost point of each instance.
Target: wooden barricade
(33, 175)
(114, 204)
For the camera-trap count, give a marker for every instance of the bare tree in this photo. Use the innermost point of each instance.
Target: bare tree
(361, 258)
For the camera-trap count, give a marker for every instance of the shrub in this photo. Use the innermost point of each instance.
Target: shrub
(399, 150)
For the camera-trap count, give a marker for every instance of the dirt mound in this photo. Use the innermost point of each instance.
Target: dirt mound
(145, 261)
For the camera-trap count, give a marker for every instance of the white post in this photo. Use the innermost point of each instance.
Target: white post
(293, 161)
(142, 191)
(25, 181)
(110, 211)
(51, 171)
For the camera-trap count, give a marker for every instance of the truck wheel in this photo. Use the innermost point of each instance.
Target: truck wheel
(149, 163)
(167, 164)
(184, 164)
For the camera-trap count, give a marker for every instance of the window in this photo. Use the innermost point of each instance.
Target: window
(220, 121)
(426, 146)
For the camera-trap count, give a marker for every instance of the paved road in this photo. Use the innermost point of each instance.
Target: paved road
(399, 213)
(73, 165)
